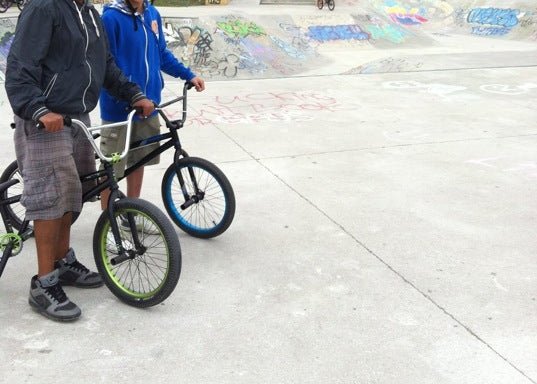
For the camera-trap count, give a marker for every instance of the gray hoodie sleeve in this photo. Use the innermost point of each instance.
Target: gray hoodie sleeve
(23, 72)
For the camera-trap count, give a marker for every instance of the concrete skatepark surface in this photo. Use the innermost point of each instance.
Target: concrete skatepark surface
(385, 225)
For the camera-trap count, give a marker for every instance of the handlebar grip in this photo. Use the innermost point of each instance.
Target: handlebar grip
(66, 121)
(189, 85)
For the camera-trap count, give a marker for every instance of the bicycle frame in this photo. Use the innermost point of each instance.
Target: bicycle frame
(172, 136)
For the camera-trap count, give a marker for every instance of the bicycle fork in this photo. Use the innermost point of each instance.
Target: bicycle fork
(198, 193)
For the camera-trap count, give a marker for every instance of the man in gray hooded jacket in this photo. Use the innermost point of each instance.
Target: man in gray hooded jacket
(58, 63)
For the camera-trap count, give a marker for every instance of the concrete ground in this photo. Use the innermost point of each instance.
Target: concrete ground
(385, 233)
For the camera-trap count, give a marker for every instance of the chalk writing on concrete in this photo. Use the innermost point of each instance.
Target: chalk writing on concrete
(509, 90)
(438, 89)
(262, 106)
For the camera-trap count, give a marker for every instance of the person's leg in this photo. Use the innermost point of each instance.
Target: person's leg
(47, 233)
(134, 182)
(72, 272)
(141, 130)
(64, 236)
(39, 155)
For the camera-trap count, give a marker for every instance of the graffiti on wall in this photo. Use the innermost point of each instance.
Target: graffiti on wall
(238, 28)
(337, 32)
(403, 15)
(7, 32)
(235, 47)
(493, 21)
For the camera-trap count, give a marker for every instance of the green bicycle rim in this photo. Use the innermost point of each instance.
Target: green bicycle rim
(110, 268)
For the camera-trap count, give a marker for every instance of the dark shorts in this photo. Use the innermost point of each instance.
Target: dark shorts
(113, 141)
(51, 164)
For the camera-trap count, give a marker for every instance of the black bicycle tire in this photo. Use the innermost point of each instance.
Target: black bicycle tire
(173, 209)
(8, 174)
(4, 5)
(172, 243)
(331, 4)
(320, 4)
(21, 4)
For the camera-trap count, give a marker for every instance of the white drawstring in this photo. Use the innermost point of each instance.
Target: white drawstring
(79, 14)
(82, 20)
(95, 24)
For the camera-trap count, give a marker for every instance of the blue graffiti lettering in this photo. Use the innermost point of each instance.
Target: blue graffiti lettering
(337, 32)
(494, 16)
(490, 31)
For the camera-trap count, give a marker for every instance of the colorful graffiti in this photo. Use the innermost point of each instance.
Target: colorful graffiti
(240, 29)
(493, 21)
(386, 32)
(7, 29)
(337, 32)
(403, 15)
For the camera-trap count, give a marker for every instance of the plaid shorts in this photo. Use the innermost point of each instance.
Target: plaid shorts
(51, 164)
(113, 140)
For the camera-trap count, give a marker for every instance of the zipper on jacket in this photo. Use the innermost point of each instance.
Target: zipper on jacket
(146, 54)
(85, 28)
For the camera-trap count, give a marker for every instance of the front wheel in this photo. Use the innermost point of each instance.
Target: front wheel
(198, 197)
(320, 4)
(331, 5)
(148, 270)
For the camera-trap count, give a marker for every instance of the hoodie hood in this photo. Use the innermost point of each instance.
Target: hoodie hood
(123, 6)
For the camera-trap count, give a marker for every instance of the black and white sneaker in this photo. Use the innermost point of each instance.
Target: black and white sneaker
(72, 272)
(48, 298)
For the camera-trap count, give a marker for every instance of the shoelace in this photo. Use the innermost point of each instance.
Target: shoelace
(57, 293)
(78, 266)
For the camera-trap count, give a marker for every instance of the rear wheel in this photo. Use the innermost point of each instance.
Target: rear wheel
(16, 211)
(320, 4)
(21, 4)
(331, 5)
(148, 270)
(198, 197)
(4, 5)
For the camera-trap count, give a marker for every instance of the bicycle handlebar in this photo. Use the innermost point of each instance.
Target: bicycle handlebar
(160, 108)
(68, 121)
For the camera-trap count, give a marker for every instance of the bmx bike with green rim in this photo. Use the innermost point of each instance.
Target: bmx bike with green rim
(197, 195)
(330, 3)
(139, 260)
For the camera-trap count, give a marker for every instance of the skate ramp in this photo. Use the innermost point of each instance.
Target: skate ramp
(359, 37)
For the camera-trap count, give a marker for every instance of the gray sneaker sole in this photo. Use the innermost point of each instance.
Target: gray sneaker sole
(61, 319)
(65, 283)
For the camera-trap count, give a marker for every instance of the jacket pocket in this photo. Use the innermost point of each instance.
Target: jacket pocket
(40, 191)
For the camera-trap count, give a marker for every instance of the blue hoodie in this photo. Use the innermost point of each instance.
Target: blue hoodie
(138, 45)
